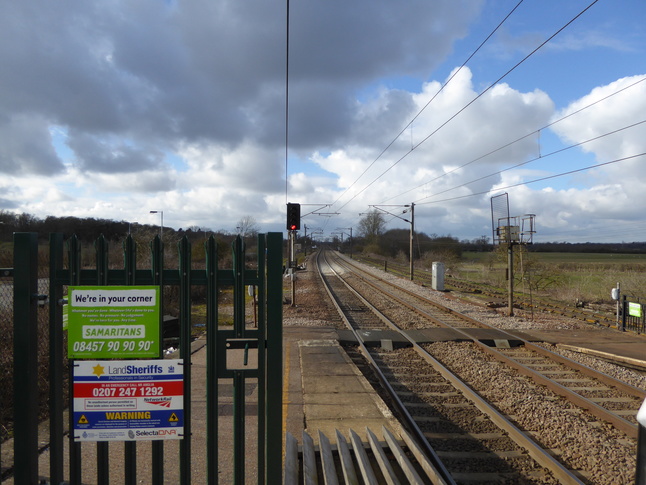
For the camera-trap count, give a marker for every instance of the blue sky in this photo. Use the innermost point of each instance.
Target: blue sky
(112, 109)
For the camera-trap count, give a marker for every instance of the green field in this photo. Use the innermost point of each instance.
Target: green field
(567, 277)
(573, 258)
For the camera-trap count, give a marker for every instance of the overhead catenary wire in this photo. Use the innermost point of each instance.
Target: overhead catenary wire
(455, 73)
(507, 145)
(570, 172)
(540, 157)
(455, 115)
(287, 102)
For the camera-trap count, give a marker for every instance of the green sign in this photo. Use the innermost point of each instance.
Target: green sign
(113, 322)
(634, 309)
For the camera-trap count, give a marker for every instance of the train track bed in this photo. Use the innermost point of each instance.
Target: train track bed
(471, 446)
(594, 450)
(488, 296)
(576, 438)
(603, 397)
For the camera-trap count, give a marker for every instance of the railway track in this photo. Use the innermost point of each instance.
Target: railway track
(495, 297)
(468, 436)
(608, 399)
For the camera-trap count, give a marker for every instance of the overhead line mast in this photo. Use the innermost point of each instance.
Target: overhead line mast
(412, 228)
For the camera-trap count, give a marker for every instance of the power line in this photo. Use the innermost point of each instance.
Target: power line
(538, 180)
(507, 145)
(427, 104)
(286, 101)
(472, 101)
(540, 157)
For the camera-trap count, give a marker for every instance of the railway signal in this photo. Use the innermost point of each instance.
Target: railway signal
(293, 216)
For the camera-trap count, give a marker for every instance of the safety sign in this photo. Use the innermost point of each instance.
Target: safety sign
(113, 322)
(128, 400)
(634, 309)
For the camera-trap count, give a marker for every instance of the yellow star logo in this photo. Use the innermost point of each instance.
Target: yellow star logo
(98, 370)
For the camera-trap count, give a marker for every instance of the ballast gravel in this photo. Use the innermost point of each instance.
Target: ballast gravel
(602, 454)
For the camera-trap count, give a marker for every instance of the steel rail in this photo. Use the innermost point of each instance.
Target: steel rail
(600, 376)
(534, 303)
(541, 456)
(596, 410)
(443, 475)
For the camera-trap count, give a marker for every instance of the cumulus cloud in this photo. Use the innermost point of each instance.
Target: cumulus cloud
(181, 106)
(616, 191)
(439, 154)
(607, 114)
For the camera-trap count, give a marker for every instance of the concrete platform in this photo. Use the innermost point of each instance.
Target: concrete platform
(625, 348)
(613, 345)
(372, 338)
(375, 338)
(325, 391)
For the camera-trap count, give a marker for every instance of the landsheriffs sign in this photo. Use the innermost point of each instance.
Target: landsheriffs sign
(128, 400)
(108, 322)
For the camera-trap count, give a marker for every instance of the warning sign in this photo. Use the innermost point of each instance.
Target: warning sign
(128, 400)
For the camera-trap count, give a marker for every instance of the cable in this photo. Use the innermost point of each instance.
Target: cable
(534, 159)
(471, 102)
(286, 102)
(428, 103)
(535, 132)
(539, 179)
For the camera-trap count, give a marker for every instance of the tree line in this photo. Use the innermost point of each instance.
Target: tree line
(89, 229)
(372, 237)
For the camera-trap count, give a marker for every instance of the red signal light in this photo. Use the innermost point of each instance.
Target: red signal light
(293, 216)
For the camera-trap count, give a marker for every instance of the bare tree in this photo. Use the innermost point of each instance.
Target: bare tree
(372, 224)
(247, 226)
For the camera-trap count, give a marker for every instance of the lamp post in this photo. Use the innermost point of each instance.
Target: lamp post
(161, 225)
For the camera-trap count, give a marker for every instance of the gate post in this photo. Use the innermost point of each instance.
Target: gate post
(56, 355)
(25, 354)
(184, 250)
(274, 359)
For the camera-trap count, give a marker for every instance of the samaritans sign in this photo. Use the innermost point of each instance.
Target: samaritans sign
(113, 322)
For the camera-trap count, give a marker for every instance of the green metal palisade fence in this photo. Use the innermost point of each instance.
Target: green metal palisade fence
(633, 314)
(267, 336)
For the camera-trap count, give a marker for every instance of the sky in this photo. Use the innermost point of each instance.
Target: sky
(208, 111)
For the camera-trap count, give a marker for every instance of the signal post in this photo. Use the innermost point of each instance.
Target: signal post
(293, 225)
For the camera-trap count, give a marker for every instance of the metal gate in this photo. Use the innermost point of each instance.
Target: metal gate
(66, 456)
(633, 314)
